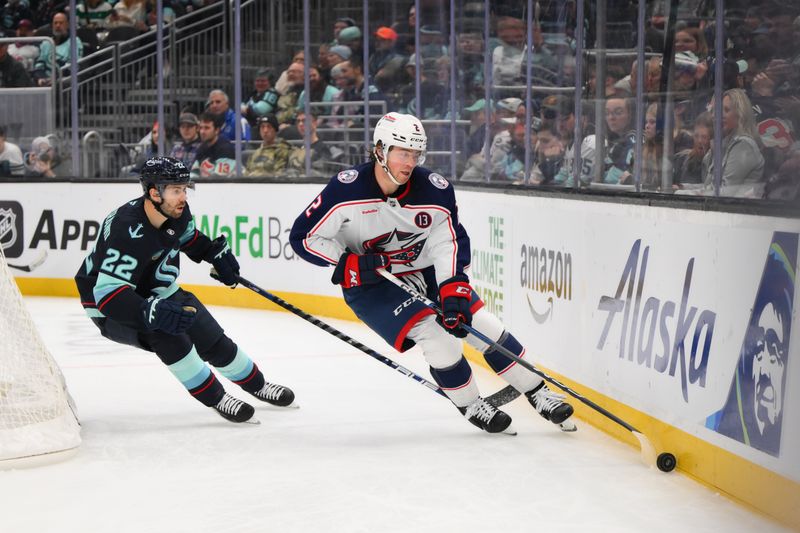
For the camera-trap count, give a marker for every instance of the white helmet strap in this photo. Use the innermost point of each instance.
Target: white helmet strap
(384, 162)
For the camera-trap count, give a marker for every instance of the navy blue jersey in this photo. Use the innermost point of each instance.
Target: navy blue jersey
(133, 260)
(417, 227)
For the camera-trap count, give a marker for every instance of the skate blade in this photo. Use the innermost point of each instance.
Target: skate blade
(568, 426)
(509, 431)
(293, 405)
(253, 421)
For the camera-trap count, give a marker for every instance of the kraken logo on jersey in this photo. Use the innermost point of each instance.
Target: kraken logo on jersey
(402, 247)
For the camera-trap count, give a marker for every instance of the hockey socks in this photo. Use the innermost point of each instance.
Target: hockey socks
(198, 379)
(244, 372)
(517, 376)
(457, 383)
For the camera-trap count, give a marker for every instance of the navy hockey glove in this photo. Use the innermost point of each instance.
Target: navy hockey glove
(354, 270)
(167, 316)
(225, 263)
(455, 295)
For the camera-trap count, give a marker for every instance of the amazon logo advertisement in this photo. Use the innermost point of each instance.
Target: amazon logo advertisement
(488, 268)
(545, 275)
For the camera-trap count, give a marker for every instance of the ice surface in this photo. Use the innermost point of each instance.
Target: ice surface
(369, 450)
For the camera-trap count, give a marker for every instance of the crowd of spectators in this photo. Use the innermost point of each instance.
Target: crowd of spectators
(760, 104)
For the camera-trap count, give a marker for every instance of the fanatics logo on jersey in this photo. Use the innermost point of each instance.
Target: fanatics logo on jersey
(438, 180)
(347, 176)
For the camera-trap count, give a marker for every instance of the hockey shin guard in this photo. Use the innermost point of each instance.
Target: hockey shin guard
(198, 379)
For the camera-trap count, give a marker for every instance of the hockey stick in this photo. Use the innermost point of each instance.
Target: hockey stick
(497, 399)
(648, 451)
(33, 265)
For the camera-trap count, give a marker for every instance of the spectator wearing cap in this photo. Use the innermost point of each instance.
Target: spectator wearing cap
(272, 156)
(263, 99)
(219, 104)
(60, 46)
(325, 158)
(338, 53)
(431, 42)
(386, 65)
(340, 24)
(12, 72)
(216, 156)
(25, 52)
(351, 37)
(12, 13)
(186, 148)
(11, 161)
(42, 160)
(476, 134)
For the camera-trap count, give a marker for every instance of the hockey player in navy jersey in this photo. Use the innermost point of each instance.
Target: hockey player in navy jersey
(392, 213)
(128, 287)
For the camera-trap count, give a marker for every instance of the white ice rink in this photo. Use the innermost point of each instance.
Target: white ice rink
(369, 450)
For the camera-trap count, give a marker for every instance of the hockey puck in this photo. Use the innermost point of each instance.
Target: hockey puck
(189, 308)
(666, 462)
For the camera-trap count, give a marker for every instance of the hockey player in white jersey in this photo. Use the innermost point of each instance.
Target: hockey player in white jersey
(392, 213)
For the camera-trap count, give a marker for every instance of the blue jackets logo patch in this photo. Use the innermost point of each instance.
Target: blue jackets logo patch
(753, 411)
(438, 180)
(347, 176)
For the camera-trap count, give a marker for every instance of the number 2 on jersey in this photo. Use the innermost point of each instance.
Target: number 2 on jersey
(120, 266)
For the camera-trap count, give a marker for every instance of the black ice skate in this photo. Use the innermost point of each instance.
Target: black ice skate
(275, 394)
(235, 410)
(549, 404)
(487, 417)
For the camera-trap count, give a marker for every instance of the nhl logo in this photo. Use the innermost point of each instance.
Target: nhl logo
(8, 228)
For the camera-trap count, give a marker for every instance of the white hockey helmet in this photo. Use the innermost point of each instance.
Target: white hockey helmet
(404, 131)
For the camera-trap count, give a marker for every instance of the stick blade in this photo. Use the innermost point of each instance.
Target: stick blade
(648, 451)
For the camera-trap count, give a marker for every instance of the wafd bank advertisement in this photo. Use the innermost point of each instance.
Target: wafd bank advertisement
(47, 229)
(688, 319)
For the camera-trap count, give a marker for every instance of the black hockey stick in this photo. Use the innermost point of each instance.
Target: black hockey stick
(497, 399)
(33, 265)
(648, 452)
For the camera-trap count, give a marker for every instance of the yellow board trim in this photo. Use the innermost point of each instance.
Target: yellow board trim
(748, 483)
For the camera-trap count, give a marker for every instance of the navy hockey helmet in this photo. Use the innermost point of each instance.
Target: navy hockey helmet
(161, 171)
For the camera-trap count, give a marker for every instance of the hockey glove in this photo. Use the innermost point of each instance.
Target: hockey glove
(167, 316)
(455, 295)
(354, 270)
(225, 263)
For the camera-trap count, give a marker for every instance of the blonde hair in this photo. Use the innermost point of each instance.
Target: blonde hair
(741, 105)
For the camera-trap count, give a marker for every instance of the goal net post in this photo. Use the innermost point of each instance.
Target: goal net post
(38, 421)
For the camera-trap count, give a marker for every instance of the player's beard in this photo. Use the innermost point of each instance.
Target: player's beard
(174, 211)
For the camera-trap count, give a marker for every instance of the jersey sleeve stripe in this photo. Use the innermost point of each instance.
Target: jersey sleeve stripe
(111, 296)
(398, 342)
(318, 254)
(319, 224)
(191, 241)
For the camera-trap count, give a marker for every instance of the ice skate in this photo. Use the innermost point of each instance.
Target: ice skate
(489, 418)
(551, 406)
(235, 410)
(276, 395)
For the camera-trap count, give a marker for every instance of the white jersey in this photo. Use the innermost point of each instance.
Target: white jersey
(417, 228)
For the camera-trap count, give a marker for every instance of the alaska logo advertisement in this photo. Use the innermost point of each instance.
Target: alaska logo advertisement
(754, 409)
(663, 335)
(546, 276)
(11, 234)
